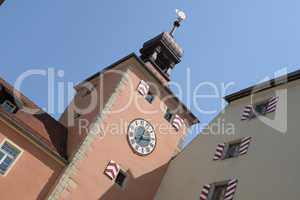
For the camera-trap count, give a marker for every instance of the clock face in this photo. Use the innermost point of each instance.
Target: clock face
(141, 136)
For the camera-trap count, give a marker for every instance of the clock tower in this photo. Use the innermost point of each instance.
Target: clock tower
(124, 126)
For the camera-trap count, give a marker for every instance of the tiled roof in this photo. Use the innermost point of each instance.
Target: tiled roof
(49, 132)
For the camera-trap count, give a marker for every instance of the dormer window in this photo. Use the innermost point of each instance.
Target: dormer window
(8, 102)
(8, 106)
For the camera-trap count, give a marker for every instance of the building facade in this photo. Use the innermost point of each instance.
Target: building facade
(32, 148)
(114, 141)
(256, 159)
(121, 136)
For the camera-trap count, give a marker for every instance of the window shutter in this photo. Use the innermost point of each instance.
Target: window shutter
(143, 88)
(272, 104)
(177, 122)
(230, 190)
(244, 146)
(112, 169)
(247, 112)
(205, 192)
(219, 151)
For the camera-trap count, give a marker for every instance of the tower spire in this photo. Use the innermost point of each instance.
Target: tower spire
(181, 16)
(162, 51)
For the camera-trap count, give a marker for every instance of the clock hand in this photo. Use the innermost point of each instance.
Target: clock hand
(141, 136)
(146, 139)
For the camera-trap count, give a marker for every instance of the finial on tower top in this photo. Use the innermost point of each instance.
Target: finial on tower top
(181, 16)
(162, 51)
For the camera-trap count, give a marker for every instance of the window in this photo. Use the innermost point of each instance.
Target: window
(121, 179)
(224, 190)
(86, 92)
(149, 97)
(261, 108)
(8, 106)
(76, 115)
(233, 150)
(168, 115)
(8, 154)
(219, 191)
(115, 173)
(144, 89)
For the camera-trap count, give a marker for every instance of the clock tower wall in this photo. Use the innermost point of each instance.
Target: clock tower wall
(90, 98)
(106, 138)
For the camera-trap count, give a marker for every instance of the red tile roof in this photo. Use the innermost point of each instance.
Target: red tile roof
(42, 127)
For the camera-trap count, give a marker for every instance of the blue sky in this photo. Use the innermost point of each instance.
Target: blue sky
(224, 40)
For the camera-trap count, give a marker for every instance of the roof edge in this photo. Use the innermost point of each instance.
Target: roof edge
(292, 76)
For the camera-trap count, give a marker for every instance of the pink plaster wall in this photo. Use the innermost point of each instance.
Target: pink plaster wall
(145, 172)
(33, 174)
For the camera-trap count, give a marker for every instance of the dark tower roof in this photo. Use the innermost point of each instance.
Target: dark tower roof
(163, 52)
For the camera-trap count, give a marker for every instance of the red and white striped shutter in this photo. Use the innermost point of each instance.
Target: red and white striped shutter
(219, 151)
(205, 192)
(272, 104)
(143, 88)
(247, 112)
(112, 169)
(177, 122)
(230, 190)
(244, 146)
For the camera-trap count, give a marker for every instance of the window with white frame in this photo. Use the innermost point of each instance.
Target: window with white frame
(8, 155)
